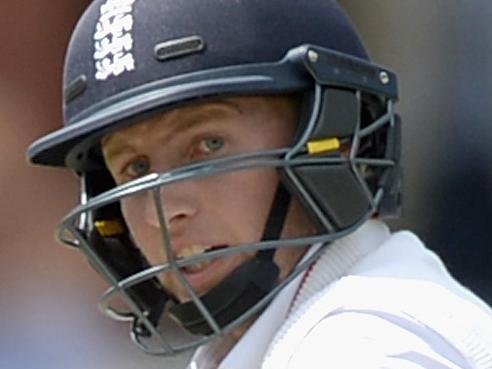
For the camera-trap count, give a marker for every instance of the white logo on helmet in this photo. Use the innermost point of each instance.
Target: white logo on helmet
(113, 39)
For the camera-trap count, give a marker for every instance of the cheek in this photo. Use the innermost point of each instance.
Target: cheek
(132, 213)
(242, 200)
(147, 238)
(297, 223)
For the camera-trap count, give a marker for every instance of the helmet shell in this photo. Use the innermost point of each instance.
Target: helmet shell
(131, 57)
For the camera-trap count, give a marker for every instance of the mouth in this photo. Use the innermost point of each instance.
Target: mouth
(195, 250)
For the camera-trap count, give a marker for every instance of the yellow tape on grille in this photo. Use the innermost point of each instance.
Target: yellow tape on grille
(323, 145)
(109, 228)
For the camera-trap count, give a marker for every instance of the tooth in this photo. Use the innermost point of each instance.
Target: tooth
(191, 250)
(198, 266)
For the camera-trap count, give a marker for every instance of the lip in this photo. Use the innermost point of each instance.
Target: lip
(178, 249)
(192, 276)
(207, 278)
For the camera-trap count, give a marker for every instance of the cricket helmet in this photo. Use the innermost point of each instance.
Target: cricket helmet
(132, 59)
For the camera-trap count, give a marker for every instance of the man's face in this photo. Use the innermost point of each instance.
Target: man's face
(212, 212)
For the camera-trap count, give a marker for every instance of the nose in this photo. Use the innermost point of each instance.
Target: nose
(178, 204)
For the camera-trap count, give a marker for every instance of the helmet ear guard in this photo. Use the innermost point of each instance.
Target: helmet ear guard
(391, 179)
(360, 134)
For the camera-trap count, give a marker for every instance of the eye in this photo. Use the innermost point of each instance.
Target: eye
(211, 144)
(137, 167)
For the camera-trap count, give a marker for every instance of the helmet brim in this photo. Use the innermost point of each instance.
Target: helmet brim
(68, 146)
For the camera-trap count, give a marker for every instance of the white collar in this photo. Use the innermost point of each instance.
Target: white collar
(339, 258)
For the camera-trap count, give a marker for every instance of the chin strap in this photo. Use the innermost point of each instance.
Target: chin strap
(245, 286)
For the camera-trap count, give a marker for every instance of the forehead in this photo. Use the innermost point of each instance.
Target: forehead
(246, 109)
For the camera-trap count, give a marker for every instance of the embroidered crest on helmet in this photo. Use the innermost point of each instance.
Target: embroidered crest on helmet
(113, 39)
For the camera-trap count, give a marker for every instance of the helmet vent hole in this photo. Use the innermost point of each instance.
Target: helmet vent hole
(178, 47)
(75, 88)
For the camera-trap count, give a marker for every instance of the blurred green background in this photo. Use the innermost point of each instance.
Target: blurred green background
(442, 51)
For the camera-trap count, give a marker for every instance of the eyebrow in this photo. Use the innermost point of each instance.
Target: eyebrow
(177, 127)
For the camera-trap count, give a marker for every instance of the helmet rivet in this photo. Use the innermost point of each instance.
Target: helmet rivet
(313, 56)
(384, 77)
